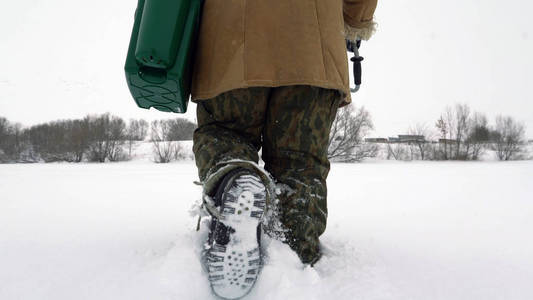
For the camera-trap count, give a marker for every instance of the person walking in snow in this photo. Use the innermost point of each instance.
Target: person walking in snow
(268, 75)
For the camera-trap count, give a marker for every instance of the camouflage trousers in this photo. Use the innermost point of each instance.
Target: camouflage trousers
(291, 124)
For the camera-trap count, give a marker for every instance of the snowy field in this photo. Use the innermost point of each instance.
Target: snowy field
(397, 230)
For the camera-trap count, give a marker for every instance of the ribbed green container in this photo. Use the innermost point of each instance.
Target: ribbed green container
(161, 52)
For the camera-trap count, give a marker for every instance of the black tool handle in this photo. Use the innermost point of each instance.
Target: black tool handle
(356, 60)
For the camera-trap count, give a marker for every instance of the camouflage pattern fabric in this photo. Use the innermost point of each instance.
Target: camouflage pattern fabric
(291, 124)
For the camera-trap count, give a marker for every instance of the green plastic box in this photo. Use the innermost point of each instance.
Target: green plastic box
(161, 53)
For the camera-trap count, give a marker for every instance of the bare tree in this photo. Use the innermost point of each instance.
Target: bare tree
(5, 137)
(135, 132)
(12, 142)
(79, 139)
(449, 118)
(347, 134)
(423, 146)
(48, 141)
(462, 118)
(117, 136)
(179, 153)
(454, 126)
(398, 151)
(443, 128)
(4, 130)
(98, 147)
(137, 129)
(142, 130)
(64, 140)
(20, 143)
(181, 129)
(107, 135)
(164, 149)
(478, 136)
(508, 138)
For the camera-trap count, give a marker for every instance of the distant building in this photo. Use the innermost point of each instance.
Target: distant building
(405, 138)
(376, 140)
(394, 140)
(402, 138)
(447, 141)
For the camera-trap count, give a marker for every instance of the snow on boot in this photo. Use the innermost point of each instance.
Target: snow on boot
(232, 253)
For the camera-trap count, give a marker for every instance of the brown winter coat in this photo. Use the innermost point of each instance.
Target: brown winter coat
(246, 43)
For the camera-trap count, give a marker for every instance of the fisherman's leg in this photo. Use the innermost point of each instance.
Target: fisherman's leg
(295, 146)
(229, 129)
(236, 191)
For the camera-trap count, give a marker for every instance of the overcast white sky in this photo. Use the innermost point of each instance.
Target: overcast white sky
(64, 59)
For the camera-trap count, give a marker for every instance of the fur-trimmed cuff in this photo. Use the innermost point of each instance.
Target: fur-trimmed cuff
(364, 33)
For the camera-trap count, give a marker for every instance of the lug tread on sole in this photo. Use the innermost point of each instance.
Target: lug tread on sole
(231, 269)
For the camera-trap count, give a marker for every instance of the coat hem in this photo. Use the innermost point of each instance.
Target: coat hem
(197, 97)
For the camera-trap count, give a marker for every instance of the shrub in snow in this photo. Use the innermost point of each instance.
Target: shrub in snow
(107, 136)
(508, 139)
(164, 150)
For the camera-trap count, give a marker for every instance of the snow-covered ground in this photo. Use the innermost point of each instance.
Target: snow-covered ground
(419, 230)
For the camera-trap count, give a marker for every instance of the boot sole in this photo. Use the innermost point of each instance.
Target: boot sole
(233, 268)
